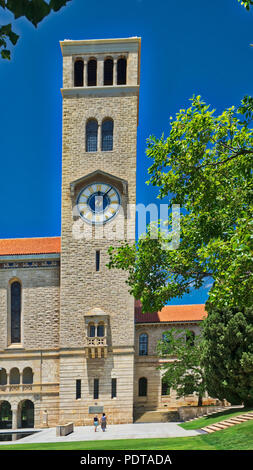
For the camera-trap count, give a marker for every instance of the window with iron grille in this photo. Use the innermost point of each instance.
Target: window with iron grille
(114, 388)
(143, 345)
(107, 135)
(96, 389)
(108, 72)
(78, 389)
(92, 72)
(91, 135)
(78, 73)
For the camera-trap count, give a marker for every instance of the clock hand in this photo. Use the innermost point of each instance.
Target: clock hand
(107, 191)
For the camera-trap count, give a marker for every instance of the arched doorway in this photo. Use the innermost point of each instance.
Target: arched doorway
(5, 415)
(27, 414)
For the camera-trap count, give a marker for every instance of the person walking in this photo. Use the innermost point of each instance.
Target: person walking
(103, 422)
(96, 423)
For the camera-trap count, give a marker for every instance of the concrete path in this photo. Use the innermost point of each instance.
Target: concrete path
(116, 431)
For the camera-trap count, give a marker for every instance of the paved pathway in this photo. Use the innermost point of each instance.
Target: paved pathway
(116, 431)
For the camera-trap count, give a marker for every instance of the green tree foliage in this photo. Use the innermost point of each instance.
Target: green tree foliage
(34, 10)
(246, 3)
(206, 163)
(182, 371)
(228, 354)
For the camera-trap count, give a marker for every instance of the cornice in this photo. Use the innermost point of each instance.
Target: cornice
(118, 90)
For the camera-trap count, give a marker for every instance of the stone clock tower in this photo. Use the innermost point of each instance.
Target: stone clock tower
(100, 117)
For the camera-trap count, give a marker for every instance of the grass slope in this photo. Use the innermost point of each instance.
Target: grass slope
(238, 437)
(215, 418)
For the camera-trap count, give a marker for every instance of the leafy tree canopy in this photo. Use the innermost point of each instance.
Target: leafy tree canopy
(182, 371)
(33, 10)
(246, 3)
(227, 354)
(206, 163)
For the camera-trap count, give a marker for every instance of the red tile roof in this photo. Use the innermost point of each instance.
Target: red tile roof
(29, 246)
(171, 313)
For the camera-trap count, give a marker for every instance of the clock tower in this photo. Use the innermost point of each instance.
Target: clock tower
(100, 117)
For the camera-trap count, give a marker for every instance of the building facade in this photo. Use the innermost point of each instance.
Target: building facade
(73, 343)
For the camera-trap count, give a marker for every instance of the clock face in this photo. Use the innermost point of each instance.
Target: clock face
(98, 203)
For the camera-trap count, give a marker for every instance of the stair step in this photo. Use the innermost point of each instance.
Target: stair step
(228, 423)
(236, 420)
(211, 428)
(221, 425)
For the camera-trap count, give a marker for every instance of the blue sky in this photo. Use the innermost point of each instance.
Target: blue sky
(187, 47)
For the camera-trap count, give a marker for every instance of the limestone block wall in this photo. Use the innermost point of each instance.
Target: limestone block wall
(74, 366)
(40, 307)
(81, 287)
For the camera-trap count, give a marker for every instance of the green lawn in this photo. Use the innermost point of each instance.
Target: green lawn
(215, 418)
(239, 437)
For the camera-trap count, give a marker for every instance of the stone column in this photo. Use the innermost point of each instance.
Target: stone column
(99, 138)
(14, 410)
(115, 72)
(85, 71)
(100, 72)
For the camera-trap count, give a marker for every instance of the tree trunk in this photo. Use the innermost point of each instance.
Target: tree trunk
(200, 402)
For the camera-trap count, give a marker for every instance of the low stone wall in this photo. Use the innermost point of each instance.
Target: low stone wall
(64, 429)
(191, 412)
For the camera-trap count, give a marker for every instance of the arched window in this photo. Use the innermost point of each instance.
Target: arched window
(5, 415)
(121, 71)
(91, 135)
(143, 345)
(3, 377)
(16, 312)
(92, 72)
(107, 135)
(27, 375)
(78, 73)
(143, 387)
(108, 72)
(14, 376)
(100, 330)
(190, 337)
(92, 331)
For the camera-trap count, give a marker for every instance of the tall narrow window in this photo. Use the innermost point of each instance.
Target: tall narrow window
(100, 330)
(16, 312)
(121, 71)
(108, 72)
(114, 388)
(96, 389)
(92, 72)
(143, 345)
(107, 135)
(143, 387)
(91, 135)
(92, 331)
(97, 260)
(78, 73)
(78, 389)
